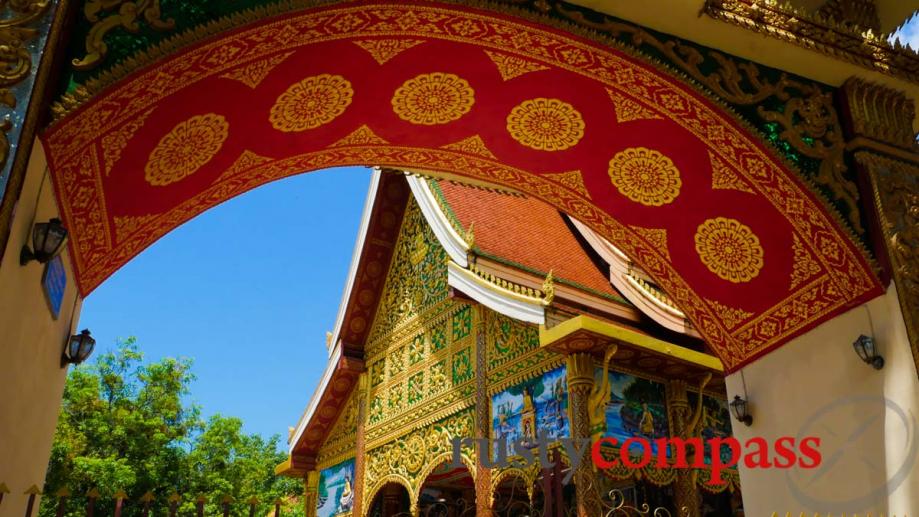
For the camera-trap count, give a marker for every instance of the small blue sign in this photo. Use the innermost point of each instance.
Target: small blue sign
(54, 282)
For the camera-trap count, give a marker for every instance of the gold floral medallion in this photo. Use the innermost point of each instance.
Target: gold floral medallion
(431, 99)
(645, 176)
(545, 124)
(729, 249)
(414, 453)
(191, 144)
(310, 103)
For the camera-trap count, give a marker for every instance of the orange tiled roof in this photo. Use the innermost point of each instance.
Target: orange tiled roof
(524, 231)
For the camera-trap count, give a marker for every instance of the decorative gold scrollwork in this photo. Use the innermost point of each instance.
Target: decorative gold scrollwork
(16, 30)
(120, 14)
(807, 117)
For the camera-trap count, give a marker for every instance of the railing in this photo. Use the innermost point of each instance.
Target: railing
(143, 504)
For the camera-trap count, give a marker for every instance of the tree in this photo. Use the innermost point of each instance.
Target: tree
(124, 426)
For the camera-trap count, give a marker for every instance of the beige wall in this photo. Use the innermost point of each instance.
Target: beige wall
(31, 378)
(816, 385)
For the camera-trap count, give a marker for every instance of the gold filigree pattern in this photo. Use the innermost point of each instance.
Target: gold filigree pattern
(254, 73)
(186, 148)
(572, 180)
(512, 66)
(805, 267)
(657, 237)
(645, 176)
(436, 98)
(731, 316)
(113, 144)
(471, 145)
(361, 136)
(729, 249)
(312, 102)
(247, 161)
(382, 50)
(628, 110)
(723, 178)
(126, 225)
(121, 13)
(545, 124)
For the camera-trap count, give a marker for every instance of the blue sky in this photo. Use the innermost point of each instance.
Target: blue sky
(248, 290)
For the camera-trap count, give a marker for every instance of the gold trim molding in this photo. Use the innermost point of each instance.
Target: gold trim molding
(895, 188)
(819, 32)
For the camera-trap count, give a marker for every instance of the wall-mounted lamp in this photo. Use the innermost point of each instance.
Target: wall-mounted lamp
(78, 348)
(865, 348)
(739, 409)
(47, 241)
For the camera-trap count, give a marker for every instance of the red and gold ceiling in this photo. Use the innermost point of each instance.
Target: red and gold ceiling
(665, 174)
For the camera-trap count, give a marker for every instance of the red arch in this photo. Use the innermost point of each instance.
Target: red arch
(122, 184)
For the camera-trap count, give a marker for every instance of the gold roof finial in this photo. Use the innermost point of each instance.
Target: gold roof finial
(469, 235)
(328, 340)
(548, 289)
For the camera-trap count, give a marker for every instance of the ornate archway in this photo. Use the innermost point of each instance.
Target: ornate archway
(665, 173)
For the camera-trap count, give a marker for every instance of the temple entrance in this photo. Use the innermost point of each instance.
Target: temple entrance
(391, 500)
(447, 492)
(514, 496)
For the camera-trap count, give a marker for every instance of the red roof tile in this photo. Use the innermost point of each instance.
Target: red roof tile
(525, 231)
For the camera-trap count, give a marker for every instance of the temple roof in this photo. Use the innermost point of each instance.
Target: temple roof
(527, 233)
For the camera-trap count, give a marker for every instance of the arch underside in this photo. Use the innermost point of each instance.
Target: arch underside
(669, 177)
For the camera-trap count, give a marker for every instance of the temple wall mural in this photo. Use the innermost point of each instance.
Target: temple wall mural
(637, 408)
(336, 490)
(539, 405)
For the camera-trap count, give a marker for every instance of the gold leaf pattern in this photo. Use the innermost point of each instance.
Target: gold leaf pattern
(628, 110)
(114, 143)
(382, 50)
(731, 316)
(805, 266)
(246, 161)
(254, 73)
(572, 180)
(723, 178)
(361, 136)
(127, 224)
(431, 99)
(511, 66)
(729, 249)
(545, 124)
(191, 144)
(645, 176)
(471, 145)
(310, 103)
(656, 236)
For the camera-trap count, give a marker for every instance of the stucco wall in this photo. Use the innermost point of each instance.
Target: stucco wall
(867, 419)
(31, 342)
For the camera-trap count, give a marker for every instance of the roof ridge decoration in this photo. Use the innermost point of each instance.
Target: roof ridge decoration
(509, 298)
(822, 32)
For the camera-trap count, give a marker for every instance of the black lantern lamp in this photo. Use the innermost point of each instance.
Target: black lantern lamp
(78, 348)
(47, 241)
(867, 351)
(739, 409)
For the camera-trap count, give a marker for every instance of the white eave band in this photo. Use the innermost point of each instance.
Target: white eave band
(509, 304)
(452, 242)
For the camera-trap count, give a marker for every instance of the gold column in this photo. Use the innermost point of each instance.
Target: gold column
(880, 121)
(482, 420)
(580, 368)
(359, 445)
(310, 492)
(684, 490)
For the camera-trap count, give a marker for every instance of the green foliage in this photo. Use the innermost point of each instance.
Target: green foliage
(125, 426)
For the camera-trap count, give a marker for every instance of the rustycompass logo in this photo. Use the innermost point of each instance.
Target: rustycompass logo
(786, 452)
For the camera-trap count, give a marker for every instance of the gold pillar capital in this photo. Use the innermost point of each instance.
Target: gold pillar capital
(580, 368)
